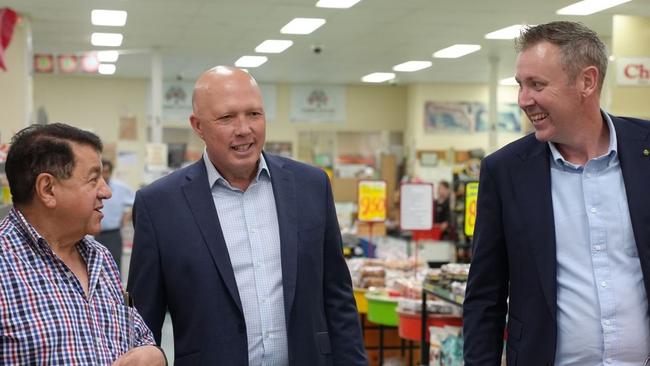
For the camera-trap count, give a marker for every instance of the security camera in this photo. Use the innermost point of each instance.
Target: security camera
(317, 49)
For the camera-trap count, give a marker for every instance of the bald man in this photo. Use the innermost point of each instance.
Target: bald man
(242, 247)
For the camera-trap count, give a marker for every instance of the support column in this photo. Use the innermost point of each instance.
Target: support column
(155, 123)
(493, 102)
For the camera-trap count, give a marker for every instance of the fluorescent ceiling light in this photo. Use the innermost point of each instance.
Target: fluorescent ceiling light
(509, 81)
(106, 39)
(411, 66)
(378, 77)
(587, 7)
(510, 32)
(250, 61)
(273, 46)
(106, 69)
(302, 25)
(113, 18)
(107, 56)
(339, 4)
(457, 50)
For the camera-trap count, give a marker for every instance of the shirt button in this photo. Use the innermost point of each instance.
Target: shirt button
(606, 322)
(597, 247)
(609, 360)
(588, 175)
(593, 210)
(604, 283)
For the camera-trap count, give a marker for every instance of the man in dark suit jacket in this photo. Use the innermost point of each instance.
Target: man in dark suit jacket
(242, 247)
(562, 240)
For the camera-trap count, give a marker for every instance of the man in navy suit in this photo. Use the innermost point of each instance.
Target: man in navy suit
(242, 247)
(562, 238)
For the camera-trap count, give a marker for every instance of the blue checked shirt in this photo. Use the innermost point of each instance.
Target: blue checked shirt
(249, 222)
(45, 317)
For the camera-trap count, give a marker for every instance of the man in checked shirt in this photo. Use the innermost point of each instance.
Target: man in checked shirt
(61, 300)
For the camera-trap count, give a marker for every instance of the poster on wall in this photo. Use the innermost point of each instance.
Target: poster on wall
(177, 100)
(454, 117)
(282, 148)
(318, 104)
(509, 119)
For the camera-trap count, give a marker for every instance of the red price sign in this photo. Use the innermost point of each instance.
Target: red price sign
(471, 196)
(372, 200)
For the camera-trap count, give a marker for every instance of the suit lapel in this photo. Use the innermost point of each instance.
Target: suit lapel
(199, 198)
(635, 167)
(284, 190)
(532, 185)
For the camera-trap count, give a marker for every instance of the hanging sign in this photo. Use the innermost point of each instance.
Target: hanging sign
(416, 206)
(372, 200)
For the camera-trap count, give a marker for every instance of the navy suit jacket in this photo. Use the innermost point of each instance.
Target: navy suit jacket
(514, 247)
(180, 262)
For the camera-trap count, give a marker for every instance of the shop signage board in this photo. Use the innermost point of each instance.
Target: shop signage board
(416, 206)
(471, 196)
(633, 71)
(372, 200)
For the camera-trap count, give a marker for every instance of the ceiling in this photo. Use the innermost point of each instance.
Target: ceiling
(372, 36)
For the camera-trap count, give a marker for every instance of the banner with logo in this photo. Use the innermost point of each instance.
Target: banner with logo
(318, 104)
(633, 71)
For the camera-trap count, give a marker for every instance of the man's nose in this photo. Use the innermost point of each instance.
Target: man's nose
(105, 191)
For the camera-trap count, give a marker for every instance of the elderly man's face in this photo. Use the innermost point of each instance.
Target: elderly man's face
(79, 198)
(229, 117)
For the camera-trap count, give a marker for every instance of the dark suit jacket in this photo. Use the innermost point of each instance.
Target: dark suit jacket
(514, 247)
(180, 261)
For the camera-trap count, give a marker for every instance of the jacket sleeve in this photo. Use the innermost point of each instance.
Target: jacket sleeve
(146, 283)
(340, 307)
(485, 305)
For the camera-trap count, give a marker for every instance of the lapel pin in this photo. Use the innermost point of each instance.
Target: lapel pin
(646, 152)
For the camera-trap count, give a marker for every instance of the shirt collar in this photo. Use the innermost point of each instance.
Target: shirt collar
(36, 239)
(612, 150)
(214, 176)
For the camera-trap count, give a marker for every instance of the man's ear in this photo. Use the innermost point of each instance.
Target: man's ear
(196, 125)
(44, 188)
(589, 77)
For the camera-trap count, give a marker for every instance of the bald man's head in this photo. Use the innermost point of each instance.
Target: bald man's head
(210, 78)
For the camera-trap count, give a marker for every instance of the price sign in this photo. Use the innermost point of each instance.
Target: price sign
(372, 200)
(471, 196)
(416, 206)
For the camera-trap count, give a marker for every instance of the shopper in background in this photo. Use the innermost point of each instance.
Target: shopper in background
(562, 228)
(442, 215)
(116, 213)
(243, 247)
(61, 299)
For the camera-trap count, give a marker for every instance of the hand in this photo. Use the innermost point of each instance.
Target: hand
(142, 356)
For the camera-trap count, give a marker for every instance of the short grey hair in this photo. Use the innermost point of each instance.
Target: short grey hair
(579, 46)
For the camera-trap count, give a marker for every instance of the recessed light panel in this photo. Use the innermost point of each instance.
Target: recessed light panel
(588, 7)
(106, 69)
(112, 18)
(302, 25)
(251, 61)
(510, 32)
(338, 4)
(107, 56)
(378, 77)
(273, 46)
(106, 39)
(411, 66)
(457, 50)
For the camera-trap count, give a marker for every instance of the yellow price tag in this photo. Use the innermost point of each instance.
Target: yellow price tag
(372, 200)
(471, 197)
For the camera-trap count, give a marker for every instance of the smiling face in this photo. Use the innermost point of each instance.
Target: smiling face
(546, 94)
(79, 197)
(229, 117)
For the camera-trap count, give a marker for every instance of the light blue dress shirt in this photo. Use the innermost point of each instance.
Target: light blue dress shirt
(602, 305)
(250, 227)
(114, 207)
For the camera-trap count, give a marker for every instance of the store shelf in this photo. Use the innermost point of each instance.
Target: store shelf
(443, 294)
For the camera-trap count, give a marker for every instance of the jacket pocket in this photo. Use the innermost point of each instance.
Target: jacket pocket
(323, 340)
